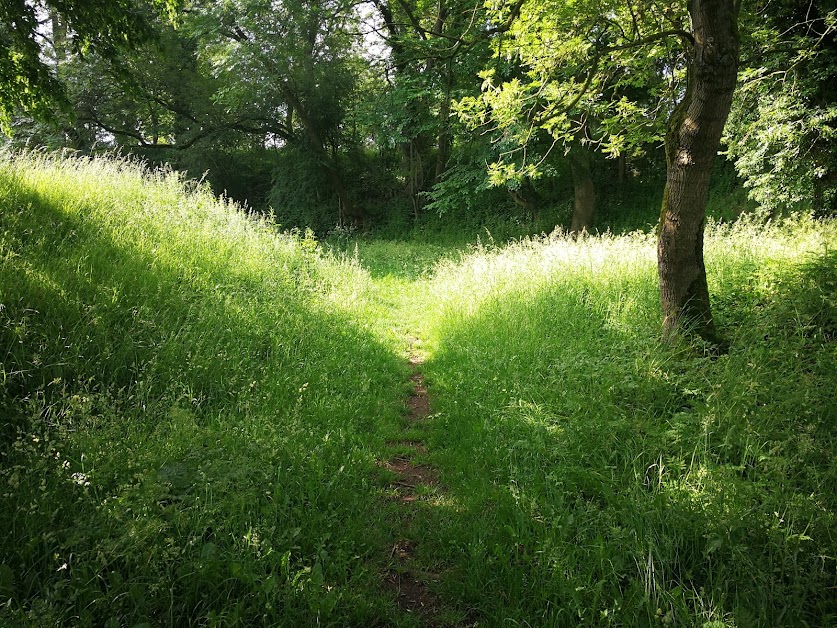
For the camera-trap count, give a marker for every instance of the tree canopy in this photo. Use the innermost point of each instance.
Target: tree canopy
(32, 33)
(386, 112)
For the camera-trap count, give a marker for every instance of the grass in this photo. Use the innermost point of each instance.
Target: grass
(195, 417)
(602, 479)
(194, 404)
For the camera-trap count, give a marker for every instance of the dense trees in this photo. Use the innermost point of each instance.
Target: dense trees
(388, 109)
(781, 132)
(285, 71)
(590, 75)
(607, 75)
(30, 29)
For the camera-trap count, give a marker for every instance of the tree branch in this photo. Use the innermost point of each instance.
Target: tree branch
(143, 143)
(591, 72)
(420, 30)
(675, 32)
(513, 15)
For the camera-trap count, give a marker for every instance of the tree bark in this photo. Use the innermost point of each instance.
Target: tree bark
(584, 203)
(692, 141)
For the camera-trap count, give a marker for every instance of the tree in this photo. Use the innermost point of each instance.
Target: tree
(783, 124)
(28, 82)
(283, 67)
(426, 65)
(580, 61)
(151, 100)
(692, 142)
(244, 74)
(573, 78)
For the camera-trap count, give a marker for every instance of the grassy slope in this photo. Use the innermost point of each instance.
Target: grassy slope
(599, 478)
(199, 416)
(197, 403)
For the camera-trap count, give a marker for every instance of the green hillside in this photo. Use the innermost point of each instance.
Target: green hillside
(200, 415)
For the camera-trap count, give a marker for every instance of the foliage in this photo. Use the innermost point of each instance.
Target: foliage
(304, 46)
(242, 175)
(575, 73)
(27, 81)
(782, 127)
(300, 193)
(451, 98)
(465, 186)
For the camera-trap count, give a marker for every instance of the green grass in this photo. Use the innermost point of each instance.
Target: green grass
(194, 403)
(599, 478)
(191, 416)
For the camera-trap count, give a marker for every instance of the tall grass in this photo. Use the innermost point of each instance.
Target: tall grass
(194, 403)
(191, 417)
(599, 478)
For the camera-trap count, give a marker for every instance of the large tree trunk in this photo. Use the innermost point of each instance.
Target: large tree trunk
(584, 204)
(692, 141)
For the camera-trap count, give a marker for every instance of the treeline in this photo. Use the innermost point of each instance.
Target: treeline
(386, 112)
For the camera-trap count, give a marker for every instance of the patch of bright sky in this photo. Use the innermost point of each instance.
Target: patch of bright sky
(374, 46)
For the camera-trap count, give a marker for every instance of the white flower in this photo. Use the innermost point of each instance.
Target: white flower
(80, 479)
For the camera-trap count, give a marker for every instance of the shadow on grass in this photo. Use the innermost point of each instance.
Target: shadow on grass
(407, 261)
(597, 478)
(181, 453)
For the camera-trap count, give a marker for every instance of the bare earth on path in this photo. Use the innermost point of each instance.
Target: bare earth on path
(412, 480)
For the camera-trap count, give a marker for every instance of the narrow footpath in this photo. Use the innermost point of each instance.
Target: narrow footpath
(413, 482)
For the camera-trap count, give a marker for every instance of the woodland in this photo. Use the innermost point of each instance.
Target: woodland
(418, 313)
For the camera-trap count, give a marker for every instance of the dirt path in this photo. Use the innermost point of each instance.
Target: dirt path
(413, 483)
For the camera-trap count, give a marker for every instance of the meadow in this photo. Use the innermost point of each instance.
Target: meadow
(196, 404)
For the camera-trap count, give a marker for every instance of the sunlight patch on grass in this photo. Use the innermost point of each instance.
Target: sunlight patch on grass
(196, 403)
(187, 392)
(644, 483)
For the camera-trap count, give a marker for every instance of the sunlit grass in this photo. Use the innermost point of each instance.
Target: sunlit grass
(191, 417)
(612, 480)
(194, 403)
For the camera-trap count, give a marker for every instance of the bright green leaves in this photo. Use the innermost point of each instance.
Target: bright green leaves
(629, 126)
(595, 72)
(783, 123)
(511, 175)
